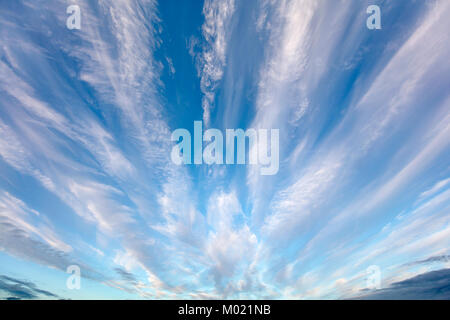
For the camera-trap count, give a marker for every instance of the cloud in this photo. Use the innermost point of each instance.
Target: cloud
(126, 276)
(212, 60)
(170, 64)
(73, 151)
(26, 234)
(364, 126)
(20, 237)
(297, 49)
(439, 186)
(441, 258)
(230, 248)
(433, 285)
(20, 289)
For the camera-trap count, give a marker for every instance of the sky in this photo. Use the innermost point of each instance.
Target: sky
(87, 180)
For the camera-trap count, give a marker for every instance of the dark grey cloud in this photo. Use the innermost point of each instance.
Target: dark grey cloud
(441, 258)
(125, 275)
(18, 289)
(427, 286)
(21, 244)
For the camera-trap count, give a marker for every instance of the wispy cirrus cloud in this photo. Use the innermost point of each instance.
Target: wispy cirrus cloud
(211, 61)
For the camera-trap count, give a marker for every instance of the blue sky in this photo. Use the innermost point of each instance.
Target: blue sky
(86, 176)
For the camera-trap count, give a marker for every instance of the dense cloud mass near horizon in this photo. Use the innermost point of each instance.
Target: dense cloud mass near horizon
(433, 285)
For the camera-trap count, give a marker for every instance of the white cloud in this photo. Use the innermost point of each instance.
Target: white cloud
(16, 212)
(437, 187)
(229, 248)
(215, 30)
